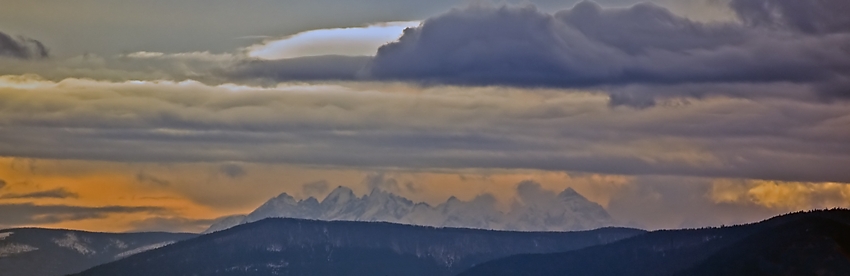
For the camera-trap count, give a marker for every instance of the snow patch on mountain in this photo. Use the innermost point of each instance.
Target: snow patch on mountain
(14, 249)
(535, 209)
(71, 241)
(118, 244)
(142, 249)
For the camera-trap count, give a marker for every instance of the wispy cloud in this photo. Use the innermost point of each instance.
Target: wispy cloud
(28, 214)
(144, 177)
(54, 193)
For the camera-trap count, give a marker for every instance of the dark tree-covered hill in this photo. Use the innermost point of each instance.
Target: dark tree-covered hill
(317, 248)
(807, 243)
(53, 252)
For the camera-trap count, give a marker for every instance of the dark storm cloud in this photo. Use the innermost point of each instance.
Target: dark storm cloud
(2, 184)
(591, 46)
(55, 193)
(810, 16)
(27, 213)
(232, 170)
(21, 47)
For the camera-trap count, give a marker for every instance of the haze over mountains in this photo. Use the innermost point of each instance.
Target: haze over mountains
(535, 210)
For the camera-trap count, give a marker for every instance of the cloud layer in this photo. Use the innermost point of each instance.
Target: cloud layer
(29, 214)
(394, 125)
(54, 193)
(639, 54)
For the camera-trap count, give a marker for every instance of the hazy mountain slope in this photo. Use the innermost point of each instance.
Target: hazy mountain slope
(339, 248)
(49, 252)
(567, 211)
(675, 251)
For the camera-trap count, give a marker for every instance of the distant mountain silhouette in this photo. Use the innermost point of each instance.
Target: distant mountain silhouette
(810, 243)
(337, 248)
(50, 252)
(567, 211)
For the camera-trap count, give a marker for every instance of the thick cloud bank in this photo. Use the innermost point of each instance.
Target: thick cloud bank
(21, 47)
(807, 43)
(395, 125)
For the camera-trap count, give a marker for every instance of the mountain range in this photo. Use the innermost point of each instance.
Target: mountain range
(799, 244)
(52, 252)
(566, 211)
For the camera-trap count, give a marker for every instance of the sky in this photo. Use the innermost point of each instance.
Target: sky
(165, 115)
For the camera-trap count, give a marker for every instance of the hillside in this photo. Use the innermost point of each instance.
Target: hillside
(813, 243)
(317, 248)
(51, 252)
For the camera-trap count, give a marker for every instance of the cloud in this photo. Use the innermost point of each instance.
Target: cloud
(171, 224)
(639, 55)
(54, 193)
(2, 184)
(330, 67)
(316, 188)
(781, 196)
(202, 56)
(29, 214)
(143, 177)
(377, 181)
(532, 193)
(380, 125)
(607, 48)
(354, 41)
(812, 16)
(21, 47)
(232, 170)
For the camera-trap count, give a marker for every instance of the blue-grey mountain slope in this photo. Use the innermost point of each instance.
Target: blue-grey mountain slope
(811, 243)
(297, 247)
(53, 252)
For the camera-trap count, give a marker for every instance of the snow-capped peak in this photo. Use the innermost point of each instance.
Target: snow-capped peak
(570, 193)
(339, 195)
(565, 211)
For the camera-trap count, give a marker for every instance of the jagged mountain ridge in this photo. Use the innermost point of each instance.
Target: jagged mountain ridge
(54, 252)
(285, 246)
(568, 211)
